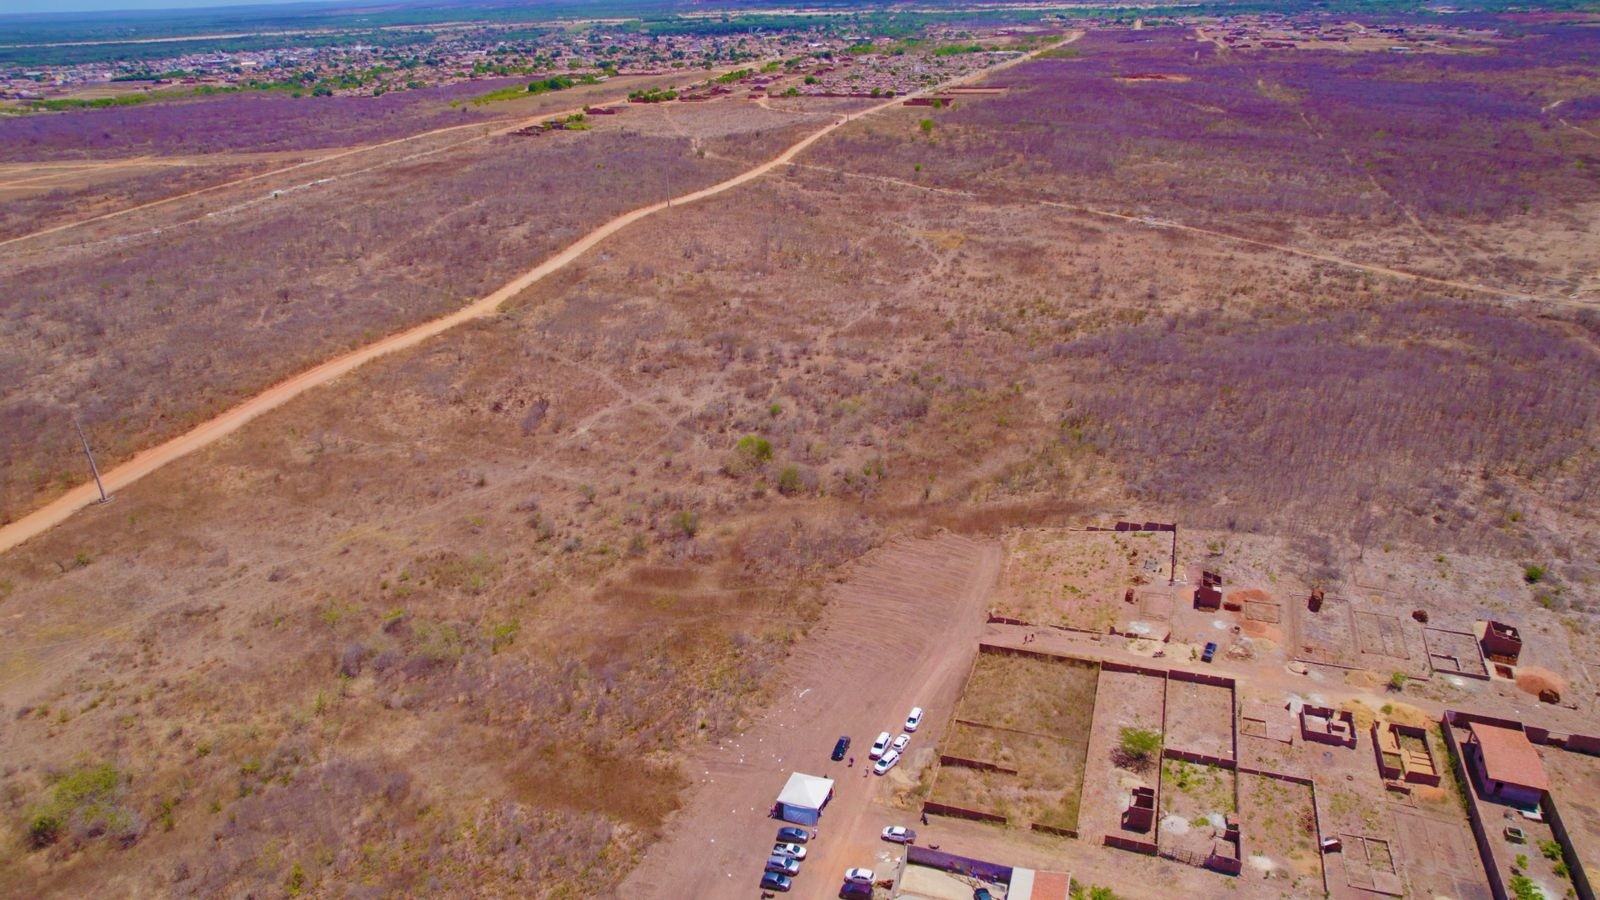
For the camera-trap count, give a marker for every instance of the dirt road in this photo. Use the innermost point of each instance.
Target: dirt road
(207, 433)
(901, 631)
(491, 128)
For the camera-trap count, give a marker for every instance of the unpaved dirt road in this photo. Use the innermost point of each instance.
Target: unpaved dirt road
(901, 631)
(207, 433)
(489, 127)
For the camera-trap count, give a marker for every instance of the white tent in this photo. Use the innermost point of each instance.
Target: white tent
(803, 798)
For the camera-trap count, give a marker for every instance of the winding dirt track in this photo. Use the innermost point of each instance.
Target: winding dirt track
(207, 433)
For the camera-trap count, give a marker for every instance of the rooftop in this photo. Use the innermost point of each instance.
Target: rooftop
(1509, 757)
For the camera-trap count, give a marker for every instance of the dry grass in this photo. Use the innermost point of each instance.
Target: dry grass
(441, 625)
(1035, 716)
(1023, 693)
(1077, 579)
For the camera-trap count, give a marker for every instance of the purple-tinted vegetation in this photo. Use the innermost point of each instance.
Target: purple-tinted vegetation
(29, 214)
(146, 337)
(245, 122)
(1261, 140)
(1406, 407)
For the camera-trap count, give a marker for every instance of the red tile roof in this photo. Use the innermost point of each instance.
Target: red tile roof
(1509, 757)
(1051, 885)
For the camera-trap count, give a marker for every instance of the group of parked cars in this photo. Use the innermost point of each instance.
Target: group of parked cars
(886, 750)
(783, 864)
(790, 850)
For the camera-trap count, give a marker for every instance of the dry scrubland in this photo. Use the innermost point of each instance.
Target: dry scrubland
(231, 301)
(1451, 164)
(450, 622)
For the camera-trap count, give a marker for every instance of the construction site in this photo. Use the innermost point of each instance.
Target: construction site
(1235, 738)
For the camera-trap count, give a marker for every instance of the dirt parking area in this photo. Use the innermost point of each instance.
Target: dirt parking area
(899, 632)
(1200, 718)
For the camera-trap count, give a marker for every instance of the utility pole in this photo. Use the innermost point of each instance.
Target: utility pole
(92, 467)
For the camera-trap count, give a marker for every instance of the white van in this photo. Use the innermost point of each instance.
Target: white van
(879, 745)
(914, 721)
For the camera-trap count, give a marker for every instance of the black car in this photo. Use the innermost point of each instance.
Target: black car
(772, 881)
(854, 890)
(841, 748)
(1211, 651)
(793, 835)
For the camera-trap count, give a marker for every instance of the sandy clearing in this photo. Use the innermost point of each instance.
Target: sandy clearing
(209, 432)
(900, 631)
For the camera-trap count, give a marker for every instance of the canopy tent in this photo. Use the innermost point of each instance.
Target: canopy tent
(803, 798)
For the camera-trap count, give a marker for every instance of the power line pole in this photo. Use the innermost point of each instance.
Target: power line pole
(92, 467)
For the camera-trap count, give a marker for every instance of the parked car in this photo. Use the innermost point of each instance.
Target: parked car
(899, 834)
(879, 745)
(790, 835)
(783, 865)
(841, 748)
(793, 851)
(1211, 650)
(900, 743)
(914, 721)
(982, 894)
(858, 876)
(855, 891)
(886, 762)
(772, 881)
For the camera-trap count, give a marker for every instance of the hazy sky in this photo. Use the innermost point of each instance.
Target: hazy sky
(49, 6)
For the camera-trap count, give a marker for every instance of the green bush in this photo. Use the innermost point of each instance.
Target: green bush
(755, 449)
(1140, 743)
(86, 798)
(44, 829)
(789, 482)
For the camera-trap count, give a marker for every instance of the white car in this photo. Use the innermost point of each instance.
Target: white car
(886, 762)
(901, 742)
(879, 745)
(899, 834)
(914, 721)
(792, 851)
(858, 876)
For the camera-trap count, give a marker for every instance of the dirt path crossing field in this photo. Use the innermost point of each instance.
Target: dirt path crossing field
(900, 632)
(207, 433)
